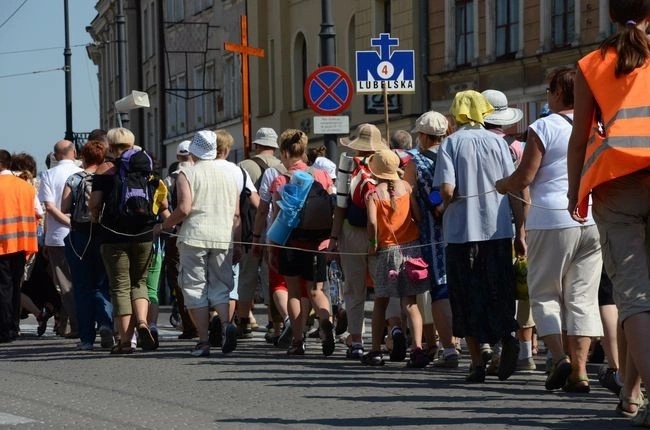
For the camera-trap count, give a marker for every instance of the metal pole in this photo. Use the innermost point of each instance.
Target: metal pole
(120, 22)
(67, 53)
(328, 58)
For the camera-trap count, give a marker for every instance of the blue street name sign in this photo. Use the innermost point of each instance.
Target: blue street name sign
(394, 70)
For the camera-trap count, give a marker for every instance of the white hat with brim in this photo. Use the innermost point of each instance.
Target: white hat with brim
(502, 114)
(204, 145)
(266, 136)
(327, 165)
(368, 139)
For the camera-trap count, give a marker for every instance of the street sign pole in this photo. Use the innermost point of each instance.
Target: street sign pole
(386, 113)
(328, 58)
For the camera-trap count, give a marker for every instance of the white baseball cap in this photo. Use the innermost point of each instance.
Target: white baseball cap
(183, 148)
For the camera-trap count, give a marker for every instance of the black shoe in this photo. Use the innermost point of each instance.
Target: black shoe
(188, 335)
(509, 356)
(154, 334)
(418, 359)
(42, 321)
(372, 358)
(476, 375)
(607, 380)
(341, 322)
(597, 354)
(398, 353)
(327, 338)
(560, 371)
(244, 330)
(230, 343)
(214, 332)
(286, 336)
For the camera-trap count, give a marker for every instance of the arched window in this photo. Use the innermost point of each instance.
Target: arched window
(299, 71)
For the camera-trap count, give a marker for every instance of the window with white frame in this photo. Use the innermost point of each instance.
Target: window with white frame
(146, 33)
(210, 99)
(175, 10)
(382, 16)
(464, 17)
(507, 28)
(152, 26)
(172, 104)
(562, 22)
(181, 108)
(232, 87)
(199, 114)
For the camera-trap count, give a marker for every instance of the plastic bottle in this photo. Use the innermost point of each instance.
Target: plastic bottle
(335, 277)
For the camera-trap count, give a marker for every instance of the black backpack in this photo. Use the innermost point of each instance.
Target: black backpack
(130, 204)
(246, 214)
(83, 186)
(316, 214)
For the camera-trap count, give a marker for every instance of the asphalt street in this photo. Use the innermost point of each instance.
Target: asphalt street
(46, 383)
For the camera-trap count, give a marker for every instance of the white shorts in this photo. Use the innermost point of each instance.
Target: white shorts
(205, 276)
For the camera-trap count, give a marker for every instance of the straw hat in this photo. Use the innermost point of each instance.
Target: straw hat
(384, 164)
(368, 139)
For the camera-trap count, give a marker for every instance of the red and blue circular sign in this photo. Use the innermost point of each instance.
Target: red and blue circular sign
(328, 90)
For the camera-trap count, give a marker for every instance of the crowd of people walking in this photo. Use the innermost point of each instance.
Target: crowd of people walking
(433, 227)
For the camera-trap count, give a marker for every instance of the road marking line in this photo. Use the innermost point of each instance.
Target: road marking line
(8, 419)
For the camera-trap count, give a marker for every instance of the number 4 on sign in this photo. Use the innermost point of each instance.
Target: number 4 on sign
(245, 51)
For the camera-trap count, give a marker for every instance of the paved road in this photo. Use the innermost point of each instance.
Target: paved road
(45, 383)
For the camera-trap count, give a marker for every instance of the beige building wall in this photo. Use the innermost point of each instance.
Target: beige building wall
(522, 78)
(276, 80)
(288, 31)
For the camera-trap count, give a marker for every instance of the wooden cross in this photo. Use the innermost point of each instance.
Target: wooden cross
(245, 51)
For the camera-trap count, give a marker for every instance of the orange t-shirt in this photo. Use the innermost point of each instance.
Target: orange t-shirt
(395, 227)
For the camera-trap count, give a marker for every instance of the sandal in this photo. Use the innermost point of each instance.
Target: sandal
(581, 385)
(144, 335)
(560, 371)
(121, 349)
(642, 419)
(638, 402)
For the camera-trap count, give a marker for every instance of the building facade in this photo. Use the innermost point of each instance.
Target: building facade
(175, 53)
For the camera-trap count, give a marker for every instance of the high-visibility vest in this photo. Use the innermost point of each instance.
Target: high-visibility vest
(17, 216)
(620, 145)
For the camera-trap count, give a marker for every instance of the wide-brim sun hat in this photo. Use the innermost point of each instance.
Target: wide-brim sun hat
(384, 164)
(266, 136)
(503, 114)
(368, 139)
(204, 145)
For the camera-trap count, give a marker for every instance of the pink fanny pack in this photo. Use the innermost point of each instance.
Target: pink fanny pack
(416, 269)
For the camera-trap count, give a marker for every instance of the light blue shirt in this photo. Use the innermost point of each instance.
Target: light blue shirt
(472, 159)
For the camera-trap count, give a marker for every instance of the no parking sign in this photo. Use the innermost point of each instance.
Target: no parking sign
(328, 90)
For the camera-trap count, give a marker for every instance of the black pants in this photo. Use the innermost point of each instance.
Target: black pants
(12, 267)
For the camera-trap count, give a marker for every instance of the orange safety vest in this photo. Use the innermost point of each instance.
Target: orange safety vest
(621, 144)
(17, 216)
